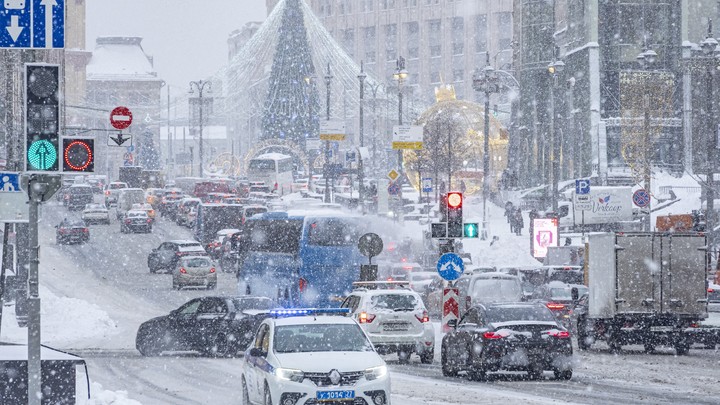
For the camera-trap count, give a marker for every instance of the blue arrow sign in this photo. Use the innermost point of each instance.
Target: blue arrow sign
(450, 266)
(32, 24)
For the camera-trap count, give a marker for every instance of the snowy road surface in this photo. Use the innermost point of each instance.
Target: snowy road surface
(105, 291)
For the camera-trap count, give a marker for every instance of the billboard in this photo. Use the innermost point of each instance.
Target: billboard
(545, 233)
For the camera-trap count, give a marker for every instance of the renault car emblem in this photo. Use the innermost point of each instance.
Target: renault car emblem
(335, 377)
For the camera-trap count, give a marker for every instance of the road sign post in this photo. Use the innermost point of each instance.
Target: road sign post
(451, 307)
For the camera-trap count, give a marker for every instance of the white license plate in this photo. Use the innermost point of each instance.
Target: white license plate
(335, 395)
(395, 327)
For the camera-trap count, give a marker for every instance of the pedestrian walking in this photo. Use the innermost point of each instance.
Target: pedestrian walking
(508, 211)
(519, 223)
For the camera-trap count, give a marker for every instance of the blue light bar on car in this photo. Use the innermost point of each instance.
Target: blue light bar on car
(277, 313)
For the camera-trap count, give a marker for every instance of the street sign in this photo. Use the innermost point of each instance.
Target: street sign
(582, 186)
(120, 139)
(545, 234)
(128, 159)
(582, 202)
(427, 185)
(407, 137)
(393, 174)
(438, 230)
(641, 198)
(33, 24)
(451, 307)
(332, 130)
(350, 156)
(394, 188)
(370, 245)
(10, 182)
(121, 118)
(450, 266)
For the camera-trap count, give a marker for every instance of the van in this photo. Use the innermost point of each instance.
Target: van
(78, 195)
(126, 198)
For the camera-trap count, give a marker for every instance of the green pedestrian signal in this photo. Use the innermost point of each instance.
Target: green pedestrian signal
(42, 155)
(471, 230)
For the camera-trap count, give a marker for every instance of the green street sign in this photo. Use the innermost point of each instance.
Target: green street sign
(42, 155)
(471, 230)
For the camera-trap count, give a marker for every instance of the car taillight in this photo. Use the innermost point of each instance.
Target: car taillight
(127, 221)
(212, 269)
(107, 192)
(423, 318)
(62, 231)
(694, 325)
(364, 317)
(555, 306)
(494, 335)
(302, 284)
(86, 230)
(182, 270)
(151, 212)
(710, 290)
(67, 197)
(560, 334)
(149, 220)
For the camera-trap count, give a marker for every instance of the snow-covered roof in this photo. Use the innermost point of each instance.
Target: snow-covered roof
(120, 58)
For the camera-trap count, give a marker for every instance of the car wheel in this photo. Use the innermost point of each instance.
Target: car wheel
(221, 346)
(649, 348)
(447, 369)
(403, 355)
(682, 349)
(478, 374)
(212, 286)
(267, 398)
(147, 345)
(427, 356)
(582, 337)
(563, 375)
(535, 372)
(245, 394)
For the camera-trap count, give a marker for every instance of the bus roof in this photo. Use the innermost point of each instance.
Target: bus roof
(272, 156)
(302, 214)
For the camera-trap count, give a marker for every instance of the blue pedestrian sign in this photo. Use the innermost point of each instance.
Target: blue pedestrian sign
(450, 266)
(10, 182)
(582, 186)
(32, 24)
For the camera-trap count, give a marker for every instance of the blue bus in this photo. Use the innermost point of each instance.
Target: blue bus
(300, 258)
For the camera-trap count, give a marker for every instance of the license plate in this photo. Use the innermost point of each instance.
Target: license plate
(335, 395)
(661, 329)
(395, 326)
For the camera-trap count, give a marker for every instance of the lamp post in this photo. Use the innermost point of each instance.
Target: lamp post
(554, 68)
(647, 58)
(328, 82)
(200, 86)
(399, 76)
(708, 46)
(486, 81)
(361, 164)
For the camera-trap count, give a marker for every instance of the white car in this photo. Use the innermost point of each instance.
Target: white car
(112, 190)
(308, 356)
(395, 319)
(96, 214)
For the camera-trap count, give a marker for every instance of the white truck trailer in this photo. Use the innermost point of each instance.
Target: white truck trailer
(644, 288)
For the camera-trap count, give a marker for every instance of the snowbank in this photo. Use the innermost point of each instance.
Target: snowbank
(104, 397)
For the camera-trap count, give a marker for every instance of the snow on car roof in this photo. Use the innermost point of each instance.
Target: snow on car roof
(322, 319)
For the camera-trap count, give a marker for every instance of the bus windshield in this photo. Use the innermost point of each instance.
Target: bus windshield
(262, 164)
(275, 236)
(332, 232)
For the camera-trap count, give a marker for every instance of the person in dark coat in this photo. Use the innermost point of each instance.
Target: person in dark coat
(508, 212)
(519, 223)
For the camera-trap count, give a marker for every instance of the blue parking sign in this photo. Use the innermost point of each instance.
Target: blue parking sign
(582, 186)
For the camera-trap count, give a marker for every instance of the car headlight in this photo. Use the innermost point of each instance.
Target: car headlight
(373, 373)
(289, 374)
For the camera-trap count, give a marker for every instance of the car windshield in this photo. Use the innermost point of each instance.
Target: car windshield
(320, 338)
(197, 262)
(137, 214)
(519, 313)
(396, 302)
(117, 186)
(74, 224)
(495, 290)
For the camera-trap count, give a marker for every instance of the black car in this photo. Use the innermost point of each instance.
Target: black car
(507, 336)
(72, 231)
(165, 257)
(136, 221)
(77, 196)
(216, 326)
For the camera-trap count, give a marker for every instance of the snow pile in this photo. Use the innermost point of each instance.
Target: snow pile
(64, 321)
(104, 397)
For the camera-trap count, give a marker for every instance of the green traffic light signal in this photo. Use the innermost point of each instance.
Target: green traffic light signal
(42, 155)
(471, 230)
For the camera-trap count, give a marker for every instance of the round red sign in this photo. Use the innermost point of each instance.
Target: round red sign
(120, 118)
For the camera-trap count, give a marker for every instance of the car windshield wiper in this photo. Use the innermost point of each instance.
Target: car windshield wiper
(404, 309)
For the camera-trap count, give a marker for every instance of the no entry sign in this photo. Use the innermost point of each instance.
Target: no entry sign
(120, 118)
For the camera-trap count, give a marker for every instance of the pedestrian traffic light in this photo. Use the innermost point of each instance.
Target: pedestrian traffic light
(455, 214)
(471, 230)
(78, 155)
(42, 121)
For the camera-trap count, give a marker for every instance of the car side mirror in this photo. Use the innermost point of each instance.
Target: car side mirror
(575, 294)
(256, 352)
(452, 323)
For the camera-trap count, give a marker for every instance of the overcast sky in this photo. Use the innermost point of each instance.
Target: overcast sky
(187, 38)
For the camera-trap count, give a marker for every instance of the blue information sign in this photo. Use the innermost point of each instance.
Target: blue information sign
(582, 186)
(450, 266)
(32, 24)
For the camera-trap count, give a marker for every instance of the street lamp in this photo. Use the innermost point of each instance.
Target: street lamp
(200, 86)
(555, 69)
(646, 59)
(486, 81)
(328, 82)
(361, 175)
(399, 76)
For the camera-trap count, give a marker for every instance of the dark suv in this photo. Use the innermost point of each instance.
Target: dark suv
(78, 195)
(165, 257)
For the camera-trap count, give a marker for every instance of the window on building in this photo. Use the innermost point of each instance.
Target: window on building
(370, 56)
(435, 51)
(348, 41)
(390, 41)
(412, 36)
(504, 30)
(435, 77)
(458, 75)
(480, 35)
(458, 35)
(435, 37)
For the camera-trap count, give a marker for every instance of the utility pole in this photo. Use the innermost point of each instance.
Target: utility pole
(200, 86)
(328, 82)
(361, 164)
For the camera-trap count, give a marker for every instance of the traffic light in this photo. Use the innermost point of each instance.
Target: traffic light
(78, 155)
(42, 119)
(443, 208)
(471, 230)
(455, 214)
